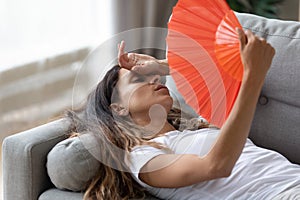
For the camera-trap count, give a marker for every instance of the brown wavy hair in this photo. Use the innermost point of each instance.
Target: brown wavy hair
(96, 117)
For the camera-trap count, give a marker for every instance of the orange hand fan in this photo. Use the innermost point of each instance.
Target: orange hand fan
(204, 56)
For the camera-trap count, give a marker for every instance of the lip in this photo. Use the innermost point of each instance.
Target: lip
(160, 87)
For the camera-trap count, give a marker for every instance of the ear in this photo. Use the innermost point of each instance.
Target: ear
(119, 109)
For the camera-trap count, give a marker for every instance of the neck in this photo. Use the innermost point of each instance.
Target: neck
(162, 129)
(157, 125)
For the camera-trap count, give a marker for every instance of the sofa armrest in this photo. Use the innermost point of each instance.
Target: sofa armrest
(24, 160)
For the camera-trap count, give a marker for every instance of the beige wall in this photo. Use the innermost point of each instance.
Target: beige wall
(33, 93)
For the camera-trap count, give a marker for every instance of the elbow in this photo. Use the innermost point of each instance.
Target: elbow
(225, 173)
(221, 171)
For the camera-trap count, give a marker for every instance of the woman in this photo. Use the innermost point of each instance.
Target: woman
(171, 155)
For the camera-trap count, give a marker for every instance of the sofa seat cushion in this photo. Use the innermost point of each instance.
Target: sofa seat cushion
(60, 195)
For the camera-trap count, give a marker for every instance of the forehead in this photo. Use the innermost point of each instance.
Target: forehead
(123, 73)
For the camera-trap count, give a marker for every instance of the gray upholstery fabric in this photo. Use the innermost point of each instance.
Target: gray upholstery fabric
(277, 119)
(70, 165)
(24, 159)
(276, 126)
(282, 82)
(57, 194)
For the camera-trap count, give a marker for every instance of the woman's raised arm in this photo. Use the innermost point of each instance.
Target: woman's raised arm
(257, 57)
(185, 170)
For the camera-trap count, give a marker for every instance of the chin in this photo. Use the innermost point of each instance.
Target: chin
(168, 103)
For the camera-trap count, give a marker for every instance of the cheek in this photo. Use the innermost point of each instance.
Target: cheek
(140, 101)
(129, 95)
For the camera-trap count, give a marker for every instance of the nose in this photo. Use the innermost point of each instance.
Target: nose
(155, 79)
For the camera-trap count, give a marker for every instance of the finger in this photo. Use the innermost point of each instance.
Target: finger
(122, 56)
(121, 48)
(263, 40)
(145, 69)
(132, 58)
(120, 51)
(250, 35)
(141, 69)
(273, 50)
(242, 37)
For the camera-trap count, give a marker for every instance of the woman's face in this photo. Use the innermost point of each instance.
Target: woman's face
(138, 93)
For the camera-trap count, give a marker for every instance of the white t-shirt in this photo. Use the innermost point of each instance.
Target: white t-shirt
(258, 174)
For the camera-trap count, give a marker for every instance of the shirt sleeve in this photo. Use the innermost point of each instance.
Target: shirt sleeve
(138, 157)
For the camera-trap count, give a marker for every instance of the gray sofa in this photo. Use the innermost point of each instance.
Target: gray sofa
(276, 124)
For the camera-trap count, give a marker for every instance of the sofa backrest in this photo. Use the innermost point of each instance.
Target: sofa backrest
(276, 124)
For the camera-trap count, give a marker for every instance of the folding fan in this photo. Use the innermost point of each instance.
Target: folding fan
(204, 56)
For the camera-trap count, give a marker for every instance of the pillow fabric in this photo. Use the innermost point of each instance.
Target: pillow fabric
(71, 165)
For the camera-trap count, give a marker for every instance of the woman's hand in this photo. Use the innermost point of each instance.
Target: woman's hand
(141, 63)
(256, 55)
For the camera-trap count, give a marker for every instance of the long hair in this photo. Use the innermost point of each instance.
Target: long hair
(96, 117)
